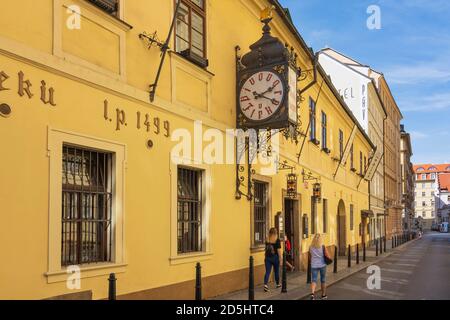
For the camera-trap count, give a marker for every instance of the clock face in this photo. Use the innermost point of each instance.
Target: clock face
(261, 95)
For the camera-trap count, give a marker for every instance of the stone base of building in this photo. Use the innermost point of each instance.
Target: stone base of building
(212, 286)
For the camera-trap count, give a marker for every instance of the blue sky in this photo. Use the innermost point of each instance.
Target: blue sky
(412, 49)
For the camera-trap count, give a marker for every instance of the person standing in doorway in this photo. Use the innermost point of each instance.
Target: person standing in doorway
(317, 254)
(272, 258)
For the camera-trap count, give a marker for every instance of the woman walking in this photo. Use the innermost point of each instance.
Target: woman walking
(318, 255)
(272, 258)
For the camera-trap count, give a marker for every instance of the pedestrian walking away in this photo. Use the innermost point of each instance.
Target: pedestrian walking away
(319, 258)
(272, 258)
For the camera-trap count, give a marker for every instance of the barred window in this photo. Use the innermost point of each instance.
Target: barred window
(87, 193)
(190, 30)
(190, 209)
(260, 212)
(109, 6)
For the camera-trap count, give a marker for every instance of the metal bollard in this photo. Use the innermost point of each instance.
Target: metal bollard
(112, 287)
(283, 276)
(335, 260)
(364, 252)
(349, 264)
(357, 253)
(198, 281)
(384, 241)
(376, 247)
(251, 280)
(308, 275)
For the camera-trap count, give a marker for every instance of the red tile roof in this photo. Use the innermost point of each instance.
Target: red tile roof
(428, 168)
(444, 181)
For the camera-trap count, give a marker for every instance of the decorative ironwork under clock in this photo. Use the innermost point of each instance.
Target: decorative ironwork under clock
(267, 78)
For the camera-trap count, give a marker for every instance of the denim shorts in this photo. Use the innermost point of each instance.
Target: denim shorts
(315, 273)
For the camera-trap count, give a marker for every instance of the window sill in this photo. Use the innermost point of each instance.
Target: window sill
(86, 272)
(190, 63)
(315, 142)
(110, 17)
(189, 258)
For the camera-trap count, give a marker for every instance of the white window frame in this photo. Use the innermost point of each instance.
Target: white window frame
(268, 181)
(56, 139)
(176, 258)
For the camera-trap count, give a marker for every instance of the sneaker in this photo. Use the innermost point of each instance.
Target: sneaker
(266, 288)
(312, 297)
(325, 297)
(278, 286)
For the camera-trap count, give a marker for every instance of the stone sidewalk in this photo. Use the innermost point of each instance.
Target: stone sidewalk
(296, 282)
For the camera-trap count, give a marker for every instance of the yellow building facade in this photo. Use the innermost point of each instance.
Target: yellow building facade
(89, 180)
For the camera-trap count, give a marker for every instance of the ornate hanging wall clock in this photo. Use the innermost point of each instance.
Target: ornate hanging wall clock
(267, 80)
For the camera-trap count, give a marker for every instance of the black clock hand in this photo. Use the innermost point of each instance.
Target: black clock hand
(272, 100)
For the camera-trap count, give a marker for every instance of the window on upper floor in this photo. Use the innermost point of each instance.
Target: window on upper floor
(420, 169)
(324, 131)
(433, 176)
(423, 194)
(341, 143)
(360, 163)
(352, 162)
(190, 31)
(424, 177)
(312, 119)
(109, 6)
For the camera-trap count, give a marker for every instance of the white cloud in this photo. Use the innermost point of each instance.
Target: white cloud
(418, 73)
(418, 135)
(434, 102)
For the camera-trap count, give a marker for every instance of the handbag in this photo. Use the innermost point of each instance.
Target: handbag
(328, 261)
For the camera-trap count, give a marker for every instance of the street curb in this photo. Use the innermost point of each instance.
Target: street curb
(363, 267)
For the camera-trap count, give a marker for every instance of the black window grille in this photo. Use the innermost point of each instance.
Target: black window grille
(190, 207)
(259, 212)
(87, 178)
(109, 6)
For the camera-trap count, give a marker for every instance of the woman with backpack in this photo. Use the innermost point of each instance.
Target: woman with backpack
(272, 258)
(319, 258)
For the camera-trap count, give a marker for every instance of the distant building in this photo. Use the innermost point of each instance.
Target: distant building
(407, 174)
(427, 191)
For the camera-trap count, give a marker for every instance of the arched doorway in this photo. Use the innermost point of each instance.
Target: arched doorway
(341, 228)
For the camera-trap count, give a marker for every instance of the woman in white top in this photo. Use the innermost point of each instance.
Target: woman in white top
(317, 253)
